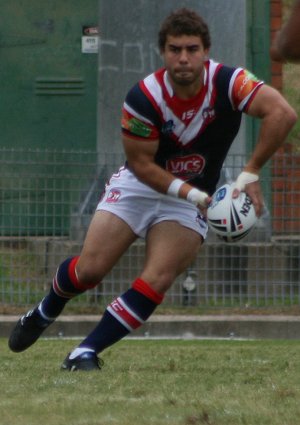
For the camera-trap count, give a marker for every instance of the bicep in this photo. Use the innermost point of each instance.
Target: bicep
(138, 151)
(266, 101)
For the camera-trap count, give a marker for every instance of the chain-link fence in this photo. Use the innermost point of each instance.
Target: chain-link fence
(48, 198)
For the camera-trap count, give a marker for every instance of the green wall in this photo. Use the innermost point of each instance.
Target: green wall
(47, 85)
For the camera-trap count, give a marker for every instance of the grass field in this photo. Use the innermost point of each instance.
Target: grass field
(155, 383)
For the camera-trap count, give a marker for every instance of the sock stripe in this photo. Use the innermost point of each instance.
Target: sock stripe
(73, 277)
(144, 288)
(118, 318)
(124, 315)
(71, 271)
(130, 311)
(59, 291)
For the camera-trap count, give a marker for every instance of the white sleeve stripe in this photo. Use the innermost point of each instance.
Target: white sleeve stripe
(154, 88)
(244, 102)
(232, 81)
(135, 114)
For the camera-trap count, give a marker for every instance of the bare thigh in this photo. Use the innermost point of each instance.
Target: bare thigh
(108, 237)
(170, 249)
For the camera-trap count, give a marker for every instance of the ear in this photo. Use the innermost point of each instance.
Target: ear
(206, 53)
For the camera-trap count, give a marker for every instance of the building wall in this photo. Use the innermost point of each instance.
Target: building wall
(128, 52)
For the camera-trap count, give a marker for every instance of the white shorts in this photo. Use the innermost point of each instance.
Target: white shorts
(142, 207)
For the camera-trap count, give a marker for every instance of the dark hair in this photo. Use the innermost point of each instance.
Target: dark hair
(184, 22)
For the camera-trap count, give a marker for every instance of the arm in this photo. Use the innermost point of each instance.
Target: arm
(140, 155)
(286, 44)
(277, 119)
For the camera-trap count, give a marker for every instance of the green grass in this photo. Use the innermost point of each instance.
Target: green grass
(155, 383)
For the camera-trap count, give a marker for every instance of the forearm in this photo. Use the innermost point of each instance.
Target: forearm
(162, 181)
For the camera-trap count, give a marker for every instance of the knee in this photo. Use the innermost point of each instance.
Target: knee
(159, 282)
(87, 273)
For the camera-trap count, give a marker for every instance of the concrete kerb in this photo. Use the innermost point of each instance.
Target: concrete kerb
(179, 326)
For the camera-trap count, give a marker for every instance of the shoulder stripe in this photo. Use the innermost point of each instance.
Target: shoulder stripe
(136, 114)
(230, 88)
(152, 89)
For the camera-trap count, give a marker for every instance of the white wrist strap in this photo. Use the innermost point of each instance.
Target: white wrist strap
(173, 189)
(197, 197)
(194, 196)
(245, 178)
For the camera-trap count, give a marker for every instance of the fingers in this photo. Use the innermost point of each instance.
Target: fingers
(203, 208)
(254, 191)
(208, 200)
(249, 183)
(235, 193)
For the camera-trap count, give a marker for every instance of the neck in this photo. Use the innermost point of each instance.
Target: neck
(189, 91)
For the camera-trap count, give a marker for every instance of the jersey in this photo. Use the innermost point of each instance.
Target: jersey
(194, 135)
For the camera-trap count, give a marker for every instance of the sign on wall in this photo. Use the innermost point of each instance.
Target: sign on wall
(90, 39)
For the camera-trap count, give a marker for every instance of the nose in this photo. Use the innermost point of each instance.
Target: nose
(183, 58)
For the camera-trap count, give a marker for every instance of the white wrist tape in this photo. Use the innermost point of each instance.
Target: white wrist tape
(245, 178)
(197, 197)
(173, 189)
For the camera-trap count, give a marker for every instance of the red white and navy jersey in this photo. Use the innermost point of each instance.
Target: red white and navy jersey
(195, 134)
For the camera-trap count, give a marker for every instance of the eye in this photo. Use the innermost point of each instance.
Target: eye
(193, 49)
(175, 49)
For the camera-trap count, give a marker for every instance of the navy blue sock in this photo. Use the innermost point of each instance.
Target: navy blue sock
(52, 305)
(123, 315)
(65, 287)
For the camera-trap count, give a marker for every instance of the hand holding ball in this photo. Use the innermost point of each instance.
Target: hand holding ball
(231, 219)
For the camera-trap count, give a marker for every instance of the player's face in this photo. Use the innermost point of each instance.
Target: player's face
(184, 58)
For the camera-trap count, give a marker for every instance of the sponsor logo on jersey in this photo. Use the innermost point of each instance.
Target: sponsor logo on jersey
(137, 127)
(201, 220)
(113, 196)
(208, 114)
(168, 127)
(186, 166)
(244, 84)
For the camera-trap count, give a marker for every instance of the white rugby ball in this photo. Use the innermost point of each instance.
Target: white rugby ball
(231, 219)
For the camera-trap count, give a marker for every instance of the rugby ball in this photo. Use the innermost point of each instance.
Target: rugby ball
(230, 219)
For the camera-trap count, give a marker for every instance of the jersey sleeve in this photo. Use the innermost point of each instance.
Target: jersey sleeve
(243, 88)
(139, 118)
